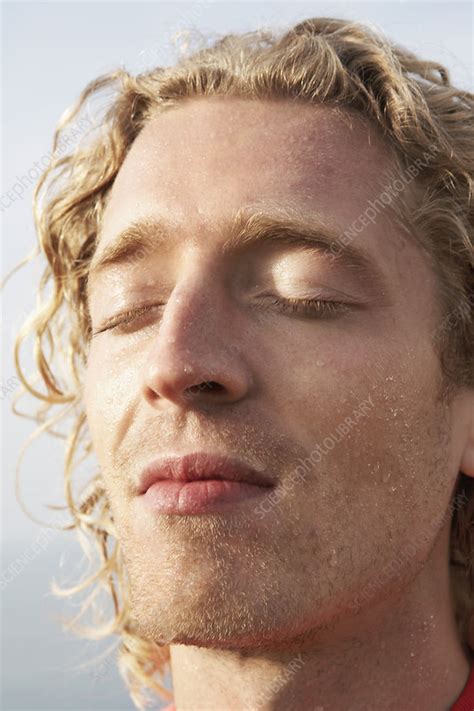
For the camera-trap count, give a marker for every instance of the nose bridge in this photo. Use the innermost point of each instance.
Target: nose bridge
(191, 315)
(194, 351)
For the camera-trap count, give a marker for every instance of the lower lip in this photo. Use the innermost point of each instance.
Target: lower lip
(196, 497)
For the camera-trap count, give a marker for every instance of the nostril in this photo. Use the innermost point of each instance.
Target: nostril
(207, 385)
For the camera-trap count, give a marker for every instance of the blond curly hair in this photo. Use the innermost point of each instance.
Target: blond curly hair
(342, 64)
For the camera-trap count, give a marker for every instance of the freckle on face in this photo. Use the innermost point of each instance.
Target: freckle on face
(254, 571)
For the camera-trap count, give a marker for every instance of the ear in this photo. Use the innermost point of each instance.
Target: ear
(467, 458)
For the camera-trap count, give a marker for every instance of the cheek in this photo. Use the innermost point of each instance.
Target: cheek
(377, 485)
(368, 414)
(327, 369)
(109, 393)
(316, 383)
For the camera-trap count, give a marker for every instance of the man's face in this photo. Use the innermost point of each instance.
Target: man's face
(354, 393)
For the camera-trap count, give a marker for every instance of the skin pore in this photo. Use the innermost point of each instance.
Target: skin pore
(306, 602)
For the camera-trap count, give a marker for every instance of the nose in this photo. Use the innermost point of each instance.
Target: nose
(196, 356)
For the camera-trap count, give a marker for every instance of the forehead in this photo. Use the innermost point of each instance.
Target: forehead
(194, 162)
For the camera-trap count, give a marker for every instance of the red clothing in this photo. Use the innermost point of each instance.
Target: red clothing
(464, 703)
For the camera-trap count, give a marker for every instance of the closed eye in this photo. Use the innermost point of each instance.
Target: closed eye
(137, 318)
(310, 307)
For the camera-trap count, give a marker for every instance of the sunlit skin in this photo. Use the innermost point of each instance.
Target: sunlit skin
(241, 595)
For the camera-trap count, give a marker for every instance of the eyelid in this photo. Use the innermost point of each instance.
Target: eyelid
(311, 294)
(125, 316)
(307, 308)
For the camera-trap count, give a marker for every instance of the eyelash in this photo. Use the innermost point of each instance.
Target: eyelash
(300, 306)
(316, 306)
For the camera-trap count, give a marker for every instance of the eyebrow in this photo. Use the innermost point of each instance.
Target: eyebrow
(279, 225)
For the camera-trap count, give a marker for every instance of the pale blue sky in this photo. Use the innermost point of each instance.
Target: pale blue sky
(50, 51)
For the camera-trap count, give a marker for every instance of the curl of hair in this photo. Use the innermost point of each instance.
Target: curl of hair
(426, 120)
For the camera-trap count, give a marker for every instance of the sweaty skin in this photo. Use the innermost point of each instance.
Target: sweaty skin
(335, 596)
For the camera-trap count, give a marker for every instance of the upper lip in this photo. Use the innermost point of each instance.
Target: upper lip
(200, 465)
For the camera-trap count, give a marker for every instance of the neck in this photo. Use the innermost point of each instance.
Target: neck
(396, 653)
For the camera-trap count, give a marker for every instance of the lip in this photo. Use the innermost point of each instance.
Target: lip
(200, 482)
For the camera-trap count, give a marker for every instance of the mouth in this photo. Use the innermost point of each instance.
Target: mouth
(200, 482)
